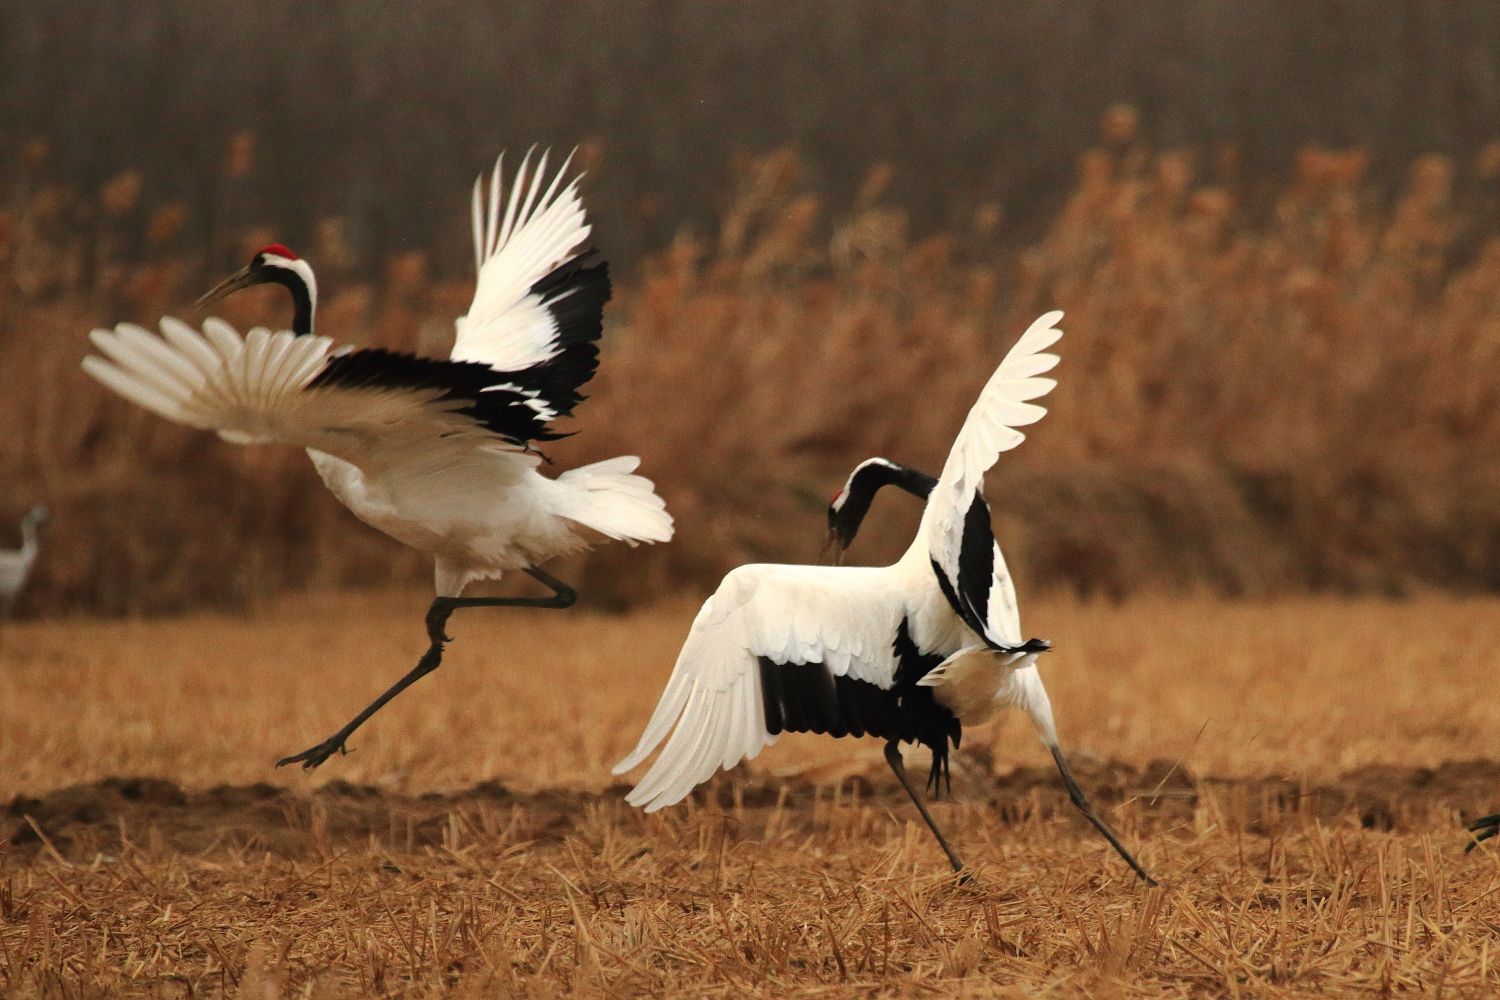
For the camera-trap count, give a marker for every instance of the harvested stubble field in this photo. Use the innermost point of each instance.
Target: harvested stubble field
(1294, 772)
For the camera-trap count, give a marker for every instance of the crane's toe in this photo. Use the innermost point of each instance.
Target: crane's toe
(1483, 829)
(313, 756)
(437, 621)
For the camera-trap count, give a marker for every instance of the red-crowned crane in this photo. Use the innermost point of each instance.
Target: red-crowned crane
(16, 564)
(909, 652)
(437, 453)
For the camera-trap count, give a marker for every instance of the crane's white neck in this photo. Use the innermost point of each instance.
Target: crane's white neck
(919, 553)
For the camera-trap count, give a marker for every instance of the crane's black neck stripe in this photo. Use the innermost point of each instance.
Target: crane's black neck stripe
(871, 477)
(302, 304)
(808, 698)
(875, 474)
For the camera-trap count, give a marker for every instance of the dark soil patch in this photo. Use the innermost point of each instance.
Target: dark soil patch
(83, 821)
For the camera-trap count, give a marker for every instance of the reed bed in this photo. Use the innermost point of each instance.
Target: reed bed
(1270, 383)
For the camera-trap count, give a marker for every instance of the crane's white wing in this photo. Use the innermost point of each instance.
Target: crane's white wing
(539, 303)
(837, 622)
(540, 227)
(373, 408)
(965, 557)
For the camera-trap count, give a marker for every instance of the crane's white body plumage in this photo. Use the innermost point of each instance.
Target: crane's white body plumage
(435, 454)
(847, 619)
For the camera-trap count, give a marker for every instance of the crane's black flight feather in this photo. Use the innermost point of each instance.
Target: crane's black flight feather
(969, 594)
(517, 405)
(482, 393)
(574, 294)
(808, 698)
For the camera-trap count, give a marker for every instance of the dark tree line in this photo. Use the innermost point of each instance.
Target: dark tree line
(382, 112)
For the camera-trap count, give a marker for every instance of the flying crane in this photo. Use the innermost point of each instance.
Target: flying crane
(438, 453)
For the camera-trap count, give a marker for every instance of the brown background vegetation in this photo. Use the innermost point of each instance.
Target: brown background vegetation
(379, 113)
(1279, 266)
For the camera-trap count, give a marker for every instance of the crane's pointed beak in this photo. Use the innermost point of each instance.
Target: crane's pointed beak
(243, 278)
(833, 549)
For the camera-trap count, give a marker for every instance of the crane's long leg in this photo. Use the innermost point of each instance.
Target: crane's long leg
(1081, 801)
(893, 758)
(563, 596)
(1483, 829)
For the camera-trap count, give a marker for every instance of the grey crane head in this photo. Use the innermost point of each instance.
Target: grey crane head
(36, 516)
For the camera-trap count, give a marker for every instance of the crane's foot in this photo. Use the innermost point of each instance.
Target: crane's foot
(893, 757)
(1483, 829)
(336, 744)
(313, 756)
(437, 621)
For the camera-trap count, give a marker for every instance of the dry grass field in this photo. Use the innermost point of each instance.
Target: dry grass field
(1261, 514)
(1295, 773)
(1272, 385)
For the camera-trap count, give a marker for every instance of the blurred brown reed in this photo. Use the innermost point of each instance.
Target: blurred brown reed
(1268, 383)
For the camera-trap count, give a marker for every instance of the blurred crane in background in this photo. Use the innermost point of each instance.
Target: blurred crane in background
(16, 564)
(437, 453)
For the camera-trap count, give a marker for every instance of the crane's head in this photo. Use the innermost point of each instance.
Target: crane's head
(37, 515)
(847, 509)
(273, 264)
(841, 527)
